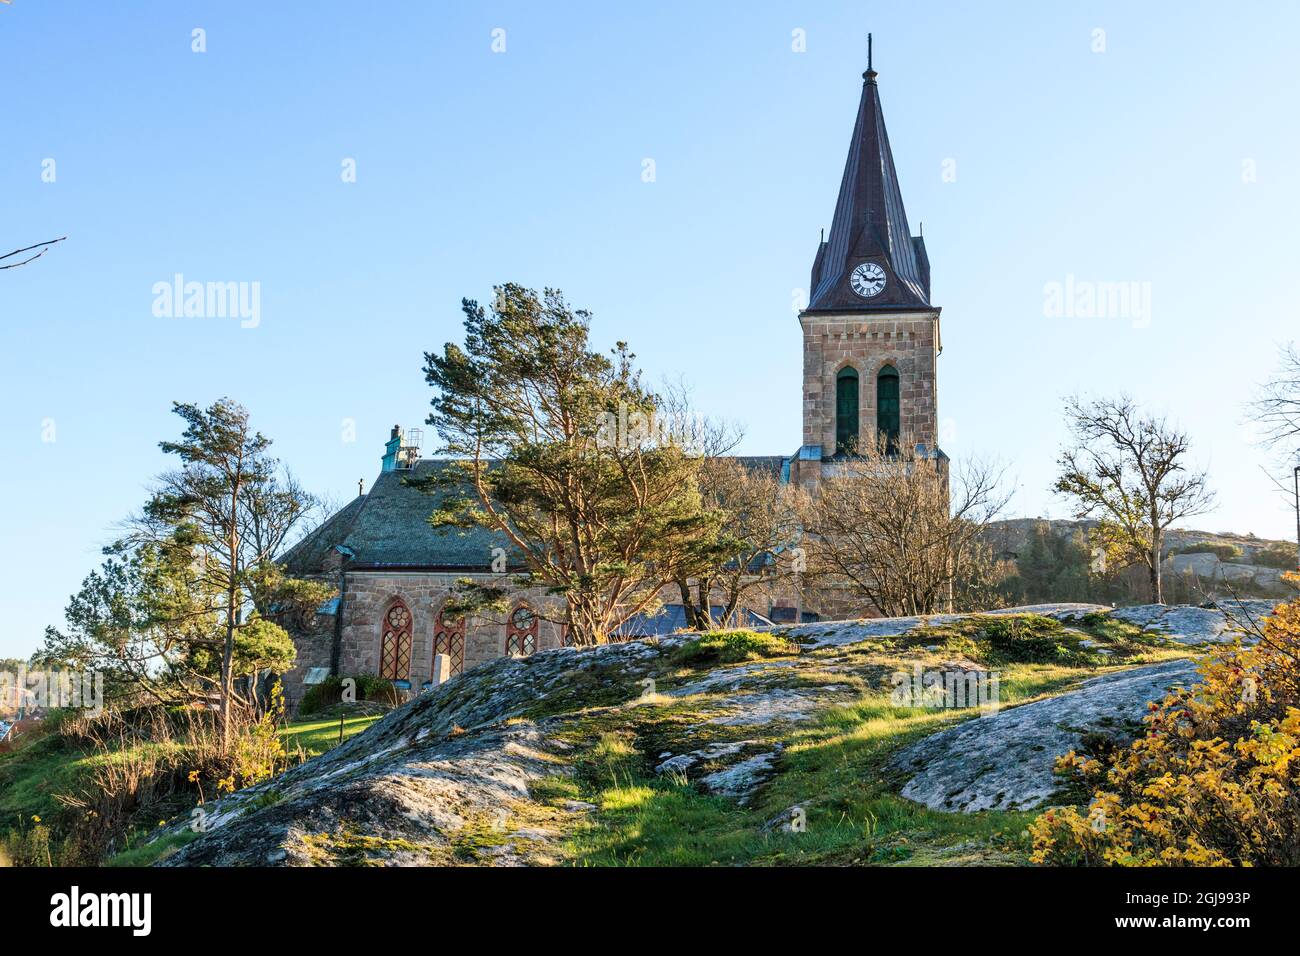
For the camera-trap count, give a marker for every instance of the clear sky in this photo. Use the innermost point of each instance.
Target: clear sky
(1168, 158)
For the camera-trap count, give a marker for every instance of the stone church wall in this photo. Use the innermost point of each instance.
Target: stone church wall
(369, 595)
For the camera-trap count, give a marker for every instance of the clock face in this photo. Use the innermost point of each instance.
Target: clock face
(868, 279)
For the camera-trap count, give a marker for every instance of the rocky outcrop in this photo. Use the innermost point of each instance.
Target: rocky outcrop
(454, 775)
(444, 778)
(1004, 760)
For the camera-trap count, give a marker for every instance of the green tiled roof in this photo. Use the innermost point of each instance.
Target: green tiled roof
(388, 528)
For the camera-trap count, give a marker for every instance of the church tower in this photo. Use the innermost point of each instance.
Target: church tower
(870, 333)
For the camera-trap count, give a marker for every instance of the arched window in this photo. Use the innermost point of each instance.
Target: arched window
(521, 631)
(449, 639)
(846, 410)
(395, 644)
(887, 416)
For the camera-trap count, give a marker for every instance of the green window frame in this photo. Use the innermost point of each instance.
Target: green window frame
(846, 410)
(887, 409)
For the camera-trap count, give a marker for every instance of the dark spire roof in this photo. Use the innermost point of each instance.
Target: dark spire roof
(870, 224)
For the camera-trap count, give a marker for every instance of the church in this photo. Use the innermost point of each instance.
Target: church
(870, 346)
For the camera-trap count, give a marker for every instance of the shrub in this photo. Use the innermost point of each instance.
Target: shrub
(150, 762)
(730, 647)
(1009, 639)
(330, 692)
(27, 846)
(1214, 780)
(1278, 556)
(1224, 552)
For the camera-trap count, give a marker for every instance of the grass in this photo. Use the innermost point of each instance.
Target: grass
(316, 736)
(732, 647)
(146, 854)
(1003, 639)
(33, 775)
(833, 784)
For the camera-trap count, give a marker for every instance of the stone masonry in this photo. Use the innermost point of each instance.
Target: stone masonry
(908, 341)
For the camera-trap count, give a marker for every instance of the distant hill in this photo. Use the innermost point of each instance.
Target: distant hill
(1198, 565)
(1012, 535)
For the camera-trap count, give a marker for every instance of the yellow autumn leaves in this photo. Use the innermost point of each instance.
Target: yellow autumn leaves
(1213, 781)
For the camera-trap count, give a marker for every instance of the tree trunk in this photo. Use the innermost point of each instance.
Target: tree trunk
(1157, 592)
(232, 619)
(688, 605)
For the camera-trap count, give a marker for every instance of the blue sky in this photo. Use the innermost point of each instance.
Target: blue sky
(475, 167)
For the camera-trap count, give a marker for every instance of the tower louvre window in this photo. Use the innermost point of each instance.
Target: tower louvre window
(887, 412)
(846, 410)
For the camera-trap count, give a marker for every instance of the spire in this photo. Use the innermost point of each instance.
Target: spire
(870, 224)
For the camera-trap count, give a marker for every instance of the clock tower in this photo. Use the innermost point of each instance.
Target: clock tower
(870, 332)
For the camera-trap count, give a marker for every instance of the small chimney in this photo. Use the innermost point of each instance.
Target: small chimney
(393, 446)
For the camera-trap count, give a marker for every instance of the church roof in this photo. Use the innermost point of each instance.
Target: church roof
(388, 529)
(870, 224)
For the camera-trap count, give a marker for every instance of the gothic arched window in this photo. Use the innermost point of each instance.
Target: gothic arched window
(521, 631)
(395, 643)
(846, 410)
(449, 639)
(887, 411)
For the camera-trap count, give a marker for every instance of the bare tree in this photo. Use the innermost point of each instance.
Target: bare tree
(1129, 470)
(1277, 411)
(1277, 407)
(41, 248)
(752, 548)
(899, 529)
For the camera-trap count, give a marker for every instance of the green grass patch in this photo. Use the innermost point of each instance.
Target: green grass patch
(317, 736)
(733, 647)
(146, 854)
(833, 783)
(1002, 639)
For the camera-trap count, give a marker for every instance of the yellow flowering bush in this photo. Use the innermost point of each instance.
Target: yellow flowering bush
(1214, 780)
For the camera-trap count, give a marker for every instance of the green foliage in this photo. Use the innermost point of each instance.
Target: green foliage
(559, 452)
(1224, 551)
(1001, 639)
(261, 645)
(329, 692)
(1010, 639)
(172, 600)
(1282, 557)
(1214, 779)
(730, 647)
(1052, 568)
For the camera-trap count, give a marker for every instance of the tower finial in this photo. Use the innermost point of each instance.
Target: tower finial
(870, 75)
(868, 51)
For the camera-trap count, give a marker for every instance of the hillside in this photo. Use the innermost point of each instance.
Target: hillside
(1198, 566)
(790, 746)
(1012, 535)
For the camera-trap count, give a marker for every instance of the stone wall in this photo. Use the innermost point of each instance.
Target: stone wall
(908, 341)
(369, 594)
(314, 641)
